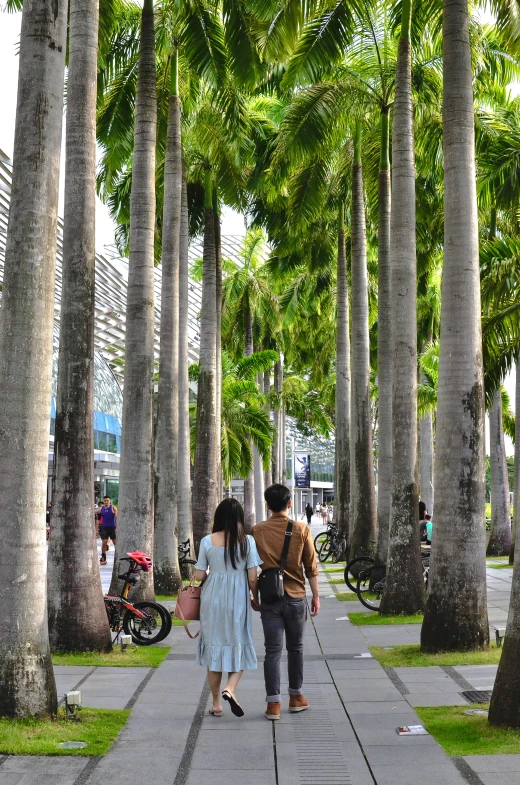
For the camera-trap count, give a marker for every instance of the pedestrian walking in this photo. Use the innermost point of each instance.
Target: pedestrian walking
(324, 514)
(308, 513)
(287, 545)
(226, 642)
(107, 526)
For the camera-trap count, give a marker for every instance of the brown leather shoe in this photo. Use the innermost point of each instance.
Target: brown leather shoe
(298, 703)
(273, 711)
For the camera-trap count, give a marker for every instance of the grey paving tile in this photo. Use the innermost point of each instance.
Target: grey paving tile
(493, 763)
(378, 694)
(231, 777)
(412, 774)
(249, 758)
(376, 707)
(384, 755)
(500, 779)
(436, 699)
(41, 770)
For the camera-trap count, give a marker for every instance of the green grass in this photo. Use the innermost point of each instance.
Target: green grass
(99, 728)
(178, 622)
(459, 734)
(346, 596)
(501, 566)
(373, 618)
(336, 581)
(339, 567)
(497, 558)
(410, 656)
(133, 657)
(166, 597)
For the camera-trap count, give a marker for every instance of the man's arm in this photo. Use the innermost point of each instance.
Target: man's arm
(311, 571)
(115, 511)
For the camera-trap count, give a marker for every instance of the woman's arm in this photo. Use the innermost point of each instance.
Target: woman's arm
(252, 578)
(200, 575)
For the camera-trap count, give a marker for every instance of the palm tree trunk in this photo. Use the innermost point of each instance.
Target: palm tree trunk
(167, 576)
(500, 540)
(27, 686)
(505, 701)
(384, 349)
(205, 470)
(249, 481)
(259, 472)
(404, 591)
(77, 618)
(342, 452)
(183, 460)
(268, 473)
(456, 610)
(277, 423)
(218, 337)
(516, 489)
(363, 498)
(426, 460)
(135, 529)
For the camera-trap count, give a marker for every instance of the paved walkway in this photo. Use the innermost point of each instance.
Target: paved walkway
(348, 737)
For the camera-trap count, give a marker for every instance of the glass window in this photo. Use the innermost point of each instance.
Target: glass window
(111, 442)
(112, 490)
(100, 440)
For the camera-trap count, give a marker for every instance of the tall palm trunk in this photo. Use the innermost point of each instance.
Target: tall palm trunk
(77, 618)
(249, 481)
(342, 451)
(363, 497)
(384, 348)
(259, 472)
(426, 460)
(268, 473)
(277, 423)
(205, 471)
(167, 577)
(135, 520)
(183, 461)
(218, 342)
(505, 700)
(404, 591)
(500, 540)
(456, 610)
(516, 489)
(27, 684)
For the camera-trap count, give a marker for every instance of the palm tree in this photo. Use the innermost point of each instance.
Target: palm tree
(205, 463)
(342, 454)
(500, 539)
(27, 686)
(136, 476)
(363, 499)
(456, 609)
(77, 618)
(404, 591)
(167, 577)
(183, 460)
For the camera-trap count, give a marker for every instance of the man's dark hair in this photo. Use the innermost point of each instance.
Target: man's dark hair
(427, 516)
(277, 497)
(106, 497)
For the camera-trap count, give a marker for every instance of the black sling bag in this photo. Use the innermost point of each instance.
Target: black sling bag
(270, 582)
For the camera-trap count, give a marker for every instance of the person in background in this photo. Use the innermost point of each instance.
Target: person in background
(308, 513)
(107, 526)
(422, 510)
(289, 614)
(226, 641)
(324, 514)
(429, 528)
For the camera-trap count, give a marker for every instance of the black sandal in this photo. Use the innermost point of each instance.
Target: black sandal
(234, 705)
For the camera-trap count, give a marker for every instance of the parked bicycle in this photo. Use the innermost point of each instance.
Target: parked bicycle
(334, 546)
(322, 536)
(146, 622)
(187, 565)
(371, 579)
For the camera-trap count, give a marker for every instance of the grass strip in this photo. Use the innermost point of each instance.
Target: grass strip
(336, 581)
(497, 558)
(339, 567)
(410, 656)
(372, 618)
(501, 566)
(347, 596)
(99, 728)
(133, 657)
(166, 598)
(460, 735)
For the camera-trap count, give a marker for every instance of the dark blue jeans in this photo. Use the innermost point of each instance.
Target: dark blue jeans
(288, 616)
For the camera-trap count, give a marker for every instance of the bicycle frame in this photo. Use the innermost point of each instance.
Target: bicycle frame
(122, 601)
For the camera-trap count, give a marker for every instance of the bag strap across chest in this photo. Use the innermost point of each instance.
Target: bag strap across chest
(286, 543)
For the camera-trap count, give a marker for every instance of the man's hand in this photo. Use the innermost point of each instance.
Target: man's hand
(315, 605)
(255, 604)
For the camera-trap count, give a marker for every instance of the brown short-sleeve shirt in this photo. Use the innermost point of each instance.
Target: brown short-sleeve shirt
(269, 537)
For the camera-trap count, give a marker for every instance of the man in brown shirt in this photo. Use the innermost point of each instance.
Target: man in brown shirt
(289, 614)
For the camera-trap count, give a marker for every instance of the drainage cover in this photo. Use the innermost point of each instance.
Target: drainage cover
(73, 745)
(477, 696)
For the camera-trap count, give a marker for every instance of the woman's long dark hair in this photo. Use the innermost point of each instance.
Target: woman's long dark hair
(229, 518)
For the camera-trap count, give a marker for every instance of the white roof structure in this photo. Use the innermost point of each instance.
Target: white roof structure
(111, 287)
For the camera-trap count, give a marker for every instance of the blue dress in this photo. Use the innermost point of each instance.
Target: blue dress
(225, 642)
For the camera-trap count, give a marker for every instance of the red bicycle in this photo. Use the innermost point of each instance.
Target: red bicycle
(146, 622)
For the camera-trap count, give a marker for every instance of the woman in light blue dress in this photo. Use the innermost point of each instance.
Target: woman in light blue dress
(226, 642)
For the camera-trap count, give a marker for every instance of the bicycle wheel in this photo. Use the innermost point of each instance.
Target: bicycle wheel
(353, 569)
(319, 540)
(325, 550)
(187, 569)
(339, 550)
(370, 589)
(154, 627)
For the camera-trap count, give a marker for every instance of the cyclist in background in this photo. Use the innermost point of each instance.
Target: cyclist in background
(107, 526)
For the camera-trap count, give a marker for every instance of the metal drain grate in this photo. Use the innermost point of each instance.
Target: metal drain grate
(477, 696)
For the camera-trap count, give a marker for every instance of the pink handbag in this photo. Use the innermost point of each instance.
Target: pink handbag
(187, 607)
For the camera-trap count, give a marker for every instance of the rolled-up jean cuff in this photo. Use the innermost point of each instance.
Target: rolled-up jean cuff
(295, 692)
(273, 698)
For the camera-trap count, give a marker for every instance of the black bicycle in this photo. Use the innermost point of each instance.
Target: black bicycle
(371, 582)
(324, 535)
(334, 546)
(186, 565)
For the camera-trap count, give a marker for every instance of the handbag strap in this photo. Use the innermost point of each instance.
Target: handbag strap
(178, 610)
(286, 542)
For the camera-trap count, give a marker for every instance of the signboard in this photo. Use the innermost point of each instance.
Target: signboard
(302, 469)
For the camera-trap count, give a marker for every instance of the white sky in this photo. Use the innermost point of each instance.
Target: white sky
(232, 222)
